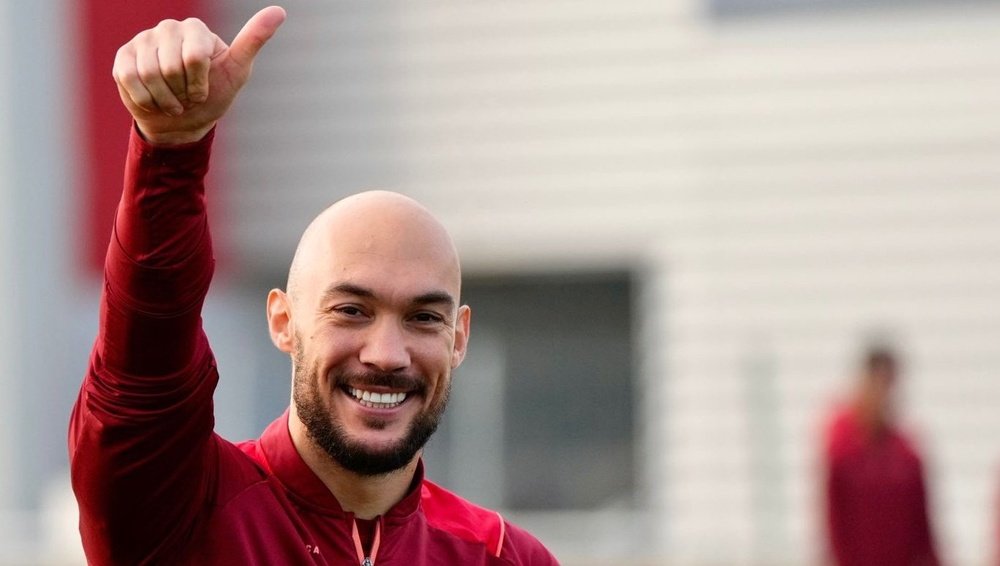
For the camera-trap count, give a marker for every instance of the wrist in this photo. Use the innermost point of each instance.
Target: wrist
(173, 138)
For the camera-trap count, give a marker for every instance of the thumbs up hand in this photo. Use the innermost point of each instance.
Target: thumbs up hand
(179, 78)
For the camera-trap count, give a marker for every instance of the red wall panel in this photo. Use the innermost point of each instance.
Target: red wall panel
(105, 26)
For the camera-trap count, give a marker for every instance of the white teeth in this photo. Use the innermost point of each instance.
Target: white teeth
(377, 400)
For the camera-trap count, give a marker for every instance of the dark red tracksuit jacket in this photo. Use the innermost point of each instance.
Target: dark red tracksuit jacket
(876, 497)
(156, 485)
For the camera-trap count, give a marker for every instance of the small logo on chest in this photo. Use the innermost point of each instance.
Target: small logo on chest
(312, 549)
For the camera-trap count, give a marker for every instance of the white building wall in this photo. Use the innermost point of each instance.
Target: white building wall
(45, 333)
(8, 474)
(783, 183)
(849, 183)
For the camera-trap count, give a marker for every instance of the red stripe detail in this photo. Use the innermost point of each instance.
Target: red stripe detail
(503, 533)
(105, 25)
(448, 512)
(359, 548)
(377, 541)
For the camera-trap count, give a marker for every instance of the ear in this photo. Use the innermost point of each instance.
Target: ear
(279, 321)
(461, 335)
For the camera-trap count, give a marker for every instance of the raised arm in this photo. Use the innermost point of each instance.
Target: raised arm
(141, 443)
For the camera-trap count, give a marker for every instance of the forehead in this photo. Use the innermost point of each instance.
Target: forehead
(378, 240)
(390, 262)
(387, 276)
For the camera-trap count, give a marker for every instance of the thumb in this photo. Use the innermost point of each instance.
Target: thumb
(255, 33)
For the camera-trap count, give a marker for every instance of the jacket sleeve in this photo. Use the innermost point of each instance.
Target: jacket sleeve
(141, 445)
(925, 547)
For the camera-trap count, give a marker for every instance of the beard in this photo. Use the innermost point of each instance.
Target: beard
(325, 429)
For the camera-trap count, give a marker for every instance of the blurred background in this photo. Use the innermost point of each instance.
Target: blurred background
(679, 220)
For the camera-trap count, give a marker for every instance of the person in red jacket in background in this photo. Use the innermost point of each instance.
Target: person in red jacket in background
(876, 495)
(371, 320)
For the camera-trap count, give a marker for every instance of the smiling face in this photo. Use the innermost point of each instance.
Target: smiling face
(374, 327)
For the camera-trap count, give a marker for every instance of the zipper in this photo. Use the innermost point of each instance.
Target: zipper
(370, 559)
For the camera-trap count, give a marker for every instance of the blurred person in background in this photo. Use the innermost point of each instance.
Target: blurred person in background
(876, 495)
(371, 320)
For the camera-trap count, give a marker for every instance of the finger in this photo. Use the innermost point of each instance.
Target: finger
(196, 53)
(255, 33)
(171, 65)
(127, 77)
(148, 67)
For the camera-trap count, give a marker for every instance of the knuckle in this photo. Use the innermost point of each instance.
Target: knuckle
(148, 74)
(194, 24)
(167, 24)
(117, 70)
(139, 38)
(171, 71)
(195, 61)
(124, 54)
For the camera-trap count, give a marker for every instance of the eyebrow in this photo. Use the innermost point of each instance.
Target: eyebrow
(349, 289)
(435, 298)
(430, 298)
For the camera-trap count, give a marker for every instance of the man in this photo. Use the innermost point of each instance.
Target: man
(875, 491)
(371, 321)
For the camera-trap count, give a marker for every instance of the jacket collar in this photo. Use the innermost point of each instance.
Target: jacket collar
(286, 464)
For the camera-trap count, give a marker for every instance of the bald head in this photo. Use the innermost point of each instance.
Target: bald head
(374, 234)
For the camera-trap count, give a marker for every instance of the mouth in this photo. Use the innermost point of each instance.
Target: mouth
(375, 399)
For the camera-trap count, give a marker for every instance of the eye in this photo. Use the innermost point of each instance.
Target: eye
(425, 317)
(350, 311)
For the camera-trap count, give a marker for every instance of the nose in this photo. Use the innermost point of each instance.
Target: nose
(385, 347)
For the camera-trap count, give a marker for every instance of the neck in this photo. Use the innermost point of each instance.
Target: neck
(873, 416)
(365, 496)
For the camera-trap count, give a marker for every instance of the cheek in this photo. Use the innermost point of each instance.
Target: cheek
(438, 354)
(436, 399)
(333, 346)
(434, 360)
